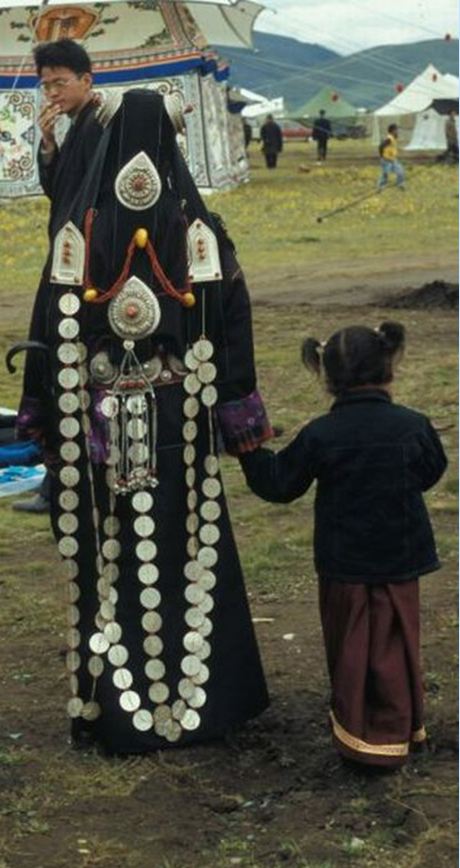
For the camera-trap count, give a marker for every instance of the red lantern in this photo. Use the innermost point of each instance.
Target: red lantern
(334, 97)
(399, 87)
(434, 77)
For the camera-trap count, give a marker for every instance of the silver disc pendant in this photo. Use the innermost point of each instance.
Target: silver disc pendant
(70, 452)
(211, 487)
(68, 378)
(189, 454)
(198, 699)
(118, 655)
(203, 350)
(209, 396)
(189, 431)
(99, 643)
(69, 427)
(69, 304)
(211, 465)
(210, 510)
(67, 353)
(207, 556)
(130, 700)
(143, 720)
(209, 534)
(191, 719)
(191, 407)
(192, 384)
(68, 402)
(91, 711)
(74, 707)
(68, 500)
(191, 361)
(122, 678)
(68, 522)
(206, 372)
(154, 669)
(148, 574)
(68, 328)
(144, 526)
(69, 476)
(142, 501)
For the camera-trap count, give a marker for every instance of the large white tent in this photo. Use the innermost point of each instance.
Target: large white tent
(416, 100)
(420, 93)
(159, 44)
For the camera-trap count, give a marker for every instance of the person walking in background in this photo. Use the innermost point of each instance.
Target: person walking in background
(247, 133)
(389, 163)
(322, 132)
(450, 128)
(371, 459)
(272, 141)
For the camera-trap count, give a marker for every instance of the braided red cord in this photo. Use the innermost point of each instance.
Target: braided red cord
(163, 280)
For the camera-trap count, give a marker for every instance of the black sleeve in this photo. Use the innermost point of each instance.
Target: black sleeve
(281, 476)
(430, 461)
(234, 346)
(46, 172)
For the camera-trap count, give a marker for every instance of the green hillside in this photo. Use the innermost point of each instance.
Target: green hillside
(368, 78)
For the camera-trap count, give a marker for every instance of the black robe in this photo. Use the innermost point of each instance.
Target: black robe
(61, 179)
(230, 678)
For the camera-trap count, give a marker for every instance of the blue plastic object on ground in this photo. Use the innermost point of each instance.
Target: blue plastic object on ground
(16, 479)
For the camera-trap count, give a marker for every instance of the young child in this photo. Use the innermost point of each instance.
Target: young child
(372, 460)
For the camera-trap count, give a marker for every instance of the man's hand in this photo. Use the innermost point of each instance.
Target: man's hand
(46, 120)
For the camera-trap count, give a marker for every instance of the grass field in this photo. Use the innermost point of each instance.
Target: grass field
(276, 796)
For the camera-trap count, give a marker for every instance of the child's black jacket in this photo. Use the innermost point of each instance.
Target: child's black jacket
(371, 459)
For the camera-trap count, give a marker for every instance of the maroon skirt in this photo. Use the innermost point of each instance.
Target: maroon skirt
(372, 634)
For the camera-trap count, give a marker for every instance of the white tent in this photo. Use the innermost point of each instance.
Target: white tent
(417, 96)
(420, 93)
(259, 106)
(429, 132)
(153, 43)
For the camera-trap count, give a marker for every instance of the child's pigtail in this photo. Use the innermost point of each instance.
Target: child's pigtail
(311, 352)
(393, 336)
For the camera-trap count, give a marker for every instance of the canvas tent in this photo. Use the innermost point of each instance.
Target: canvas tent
(149, 43)
(335, 106)
(417, 100)
(259, 106)
(420, 93)
(429, 132)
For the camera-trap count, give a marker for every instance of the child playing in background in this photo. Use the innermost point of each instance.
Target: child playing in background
(372, 460)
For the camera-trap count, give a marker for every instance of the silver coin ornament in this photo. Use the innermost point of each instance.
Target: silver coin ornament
(69, 304)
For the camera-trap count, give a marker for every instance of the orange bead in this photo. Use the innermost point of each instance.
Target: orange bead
(188, 299)
(90, 294)
(141, 236)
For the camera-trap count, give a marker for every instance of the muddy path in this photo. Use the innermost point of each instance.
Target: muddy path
(347, 283)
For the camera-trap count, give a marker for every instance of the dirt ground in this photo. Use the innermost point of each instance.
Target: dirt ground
(275, 793)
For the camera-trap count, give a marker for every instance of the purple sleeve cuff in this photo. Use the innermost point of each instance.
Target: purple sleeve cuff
(30, 420)
(243, 424)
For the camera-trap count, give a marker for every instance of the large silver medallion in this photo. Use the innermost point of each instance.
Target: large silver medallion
(134, 313)
(138, 184)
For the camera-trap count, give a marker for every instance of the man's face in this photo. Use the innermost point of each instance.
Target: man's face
(64, 88)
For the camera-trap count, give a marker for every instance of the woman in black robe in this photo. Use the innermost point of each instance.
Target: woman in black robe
(147, 322)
